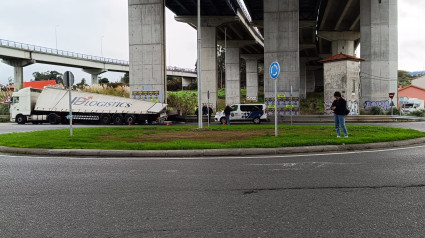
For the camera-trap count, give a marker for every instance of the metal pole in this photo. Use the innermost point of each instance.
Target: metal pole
(56, 37)
(275, 108)
(70, 109)
(199, 68)
(291, 105)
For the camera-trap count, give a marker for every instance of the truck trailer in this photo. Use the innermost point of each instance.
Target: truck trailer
(51, 105)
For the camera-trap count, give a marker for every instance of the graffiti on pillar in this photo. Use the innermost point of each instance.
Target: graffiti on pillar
(328, 105)
(150, 96)
(353, 106)
(384, 105)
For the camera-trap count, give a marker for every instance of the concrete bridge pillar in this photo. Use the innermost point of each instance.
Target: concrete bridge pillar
(147, 47)
(18, 71)
(252, 76)
(209, 65)
(303, 77)
(281, 44)
(379, 48)
(342, 42)
(310, 80)
(95, 74)
(233, 78)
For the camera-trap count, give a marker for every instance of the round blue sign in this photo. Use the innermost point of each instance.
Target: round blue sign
(274, 70)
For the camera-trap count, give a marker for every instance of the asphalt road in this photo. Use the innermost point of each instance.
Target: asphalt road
(358, 194)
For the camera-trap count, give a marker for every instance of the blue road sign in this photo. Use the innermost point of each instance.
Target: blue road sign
(274, 70)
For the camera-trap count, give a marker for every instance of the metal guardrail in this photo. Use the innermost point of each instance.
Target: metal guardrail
(64, 53)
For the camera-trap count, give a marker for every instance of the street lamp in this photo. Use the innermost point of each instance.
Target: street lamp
(56, 36)
(101, 46)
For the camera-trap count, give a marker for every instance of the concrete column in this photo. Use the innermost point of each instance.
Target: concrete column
(252, 76)
(303, 78)
(95, 74)
(147, 48)
(342, 42)
(209, 65)
(281, 44)
(379, 48)
(233, 78)
(310, 81)
(18, 71)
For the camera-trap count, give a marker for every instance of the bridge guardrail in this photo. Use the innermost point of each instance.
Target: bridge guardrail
(14, 44)
(47, 50)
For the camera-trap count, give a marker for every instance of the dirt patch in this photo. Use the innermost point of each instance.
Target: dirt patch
(195, 135)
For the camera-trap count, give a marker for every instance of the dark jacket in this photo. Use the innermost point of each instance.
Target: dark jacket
(227, 110)
(341, 107)
(204, 110)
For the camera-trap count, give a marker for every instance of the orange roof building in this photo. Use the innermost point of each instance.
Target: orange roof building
(34, 84)
(412, 91)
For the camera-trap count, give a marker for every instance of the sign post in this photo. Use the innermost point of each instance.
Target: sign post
(403, 101)
(68, 79)
(391, 95)
(274, 71)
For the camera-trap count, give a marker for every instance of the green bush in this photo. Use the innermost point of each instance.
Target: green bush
(376, 111)
(418, 113)
(395, 111)
(185, 101)
(4, 109)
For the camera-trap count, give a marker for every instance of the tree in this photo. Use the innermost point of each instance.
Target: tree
(404, 78)
(48, 75)
(82, 83)
(126, 78)
(103, 80)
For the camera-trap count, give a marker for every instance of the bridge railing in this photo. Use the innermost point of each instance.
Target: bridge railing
(47, 50)
(179, 69)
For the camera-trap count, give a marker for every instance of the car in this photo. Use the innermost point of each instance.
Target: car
(244, 112)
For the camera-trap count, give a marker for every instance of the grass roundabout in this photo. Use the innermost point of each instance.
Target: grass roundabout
(214, 137)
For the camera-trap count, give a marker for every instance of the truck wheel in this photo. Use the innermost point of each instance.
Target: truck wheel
(130, 119)
(105, 119)
(52, 118)
(257, 120)
(21, 119)
(223, 120)
(118, 120)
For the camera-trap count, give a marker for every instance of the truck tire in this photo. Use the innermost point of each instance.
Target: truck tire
(53, 118)
(130, 119)
(117, 120)
(21, 119)
(257, 120)
(105, 119)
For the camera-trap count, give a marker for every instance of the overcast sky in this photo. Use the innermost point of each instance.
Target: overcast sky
(83, 26)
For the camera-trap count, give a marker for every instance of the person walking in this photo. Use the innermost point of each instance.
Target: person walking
(227, 111)
(339, 106)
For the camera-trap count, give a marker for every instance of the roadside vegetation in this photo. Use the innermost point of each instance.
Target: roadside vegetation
(215, 137)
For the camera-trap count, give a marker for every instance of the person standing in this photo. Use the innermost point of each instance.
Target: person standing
(339, 106)
(227, 111)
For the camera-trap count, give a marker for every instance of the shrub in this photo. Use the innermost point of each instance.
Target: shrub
(418, 113)
(376, 111)
(192, 86)
(185, 101)
(4, 109)
(395, 111)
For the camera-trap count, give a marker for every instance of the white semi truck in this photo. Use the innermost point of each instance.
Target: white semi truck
(52, 105)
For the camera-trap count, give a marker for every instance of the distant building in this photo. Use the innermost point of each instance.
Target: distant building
(34, 84)
(412, 91)
(420, 82)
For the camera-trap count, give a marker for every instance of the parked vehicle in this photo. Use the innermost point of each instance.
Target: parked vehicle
(52, 105)
(244, 112)
(412, 105)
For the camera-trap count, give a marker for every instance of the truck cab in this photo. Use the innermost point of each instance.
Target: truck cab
(22, 104)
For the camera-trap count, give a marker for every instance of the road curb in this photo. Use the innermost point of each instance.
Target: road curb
(211, 152)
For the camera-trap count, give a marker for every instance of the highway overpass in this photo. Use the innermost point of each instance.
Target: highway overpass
(20, 55)
(296, 33)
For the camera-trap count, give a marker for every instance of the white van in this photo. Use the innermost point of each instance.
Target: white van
(244, 112)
